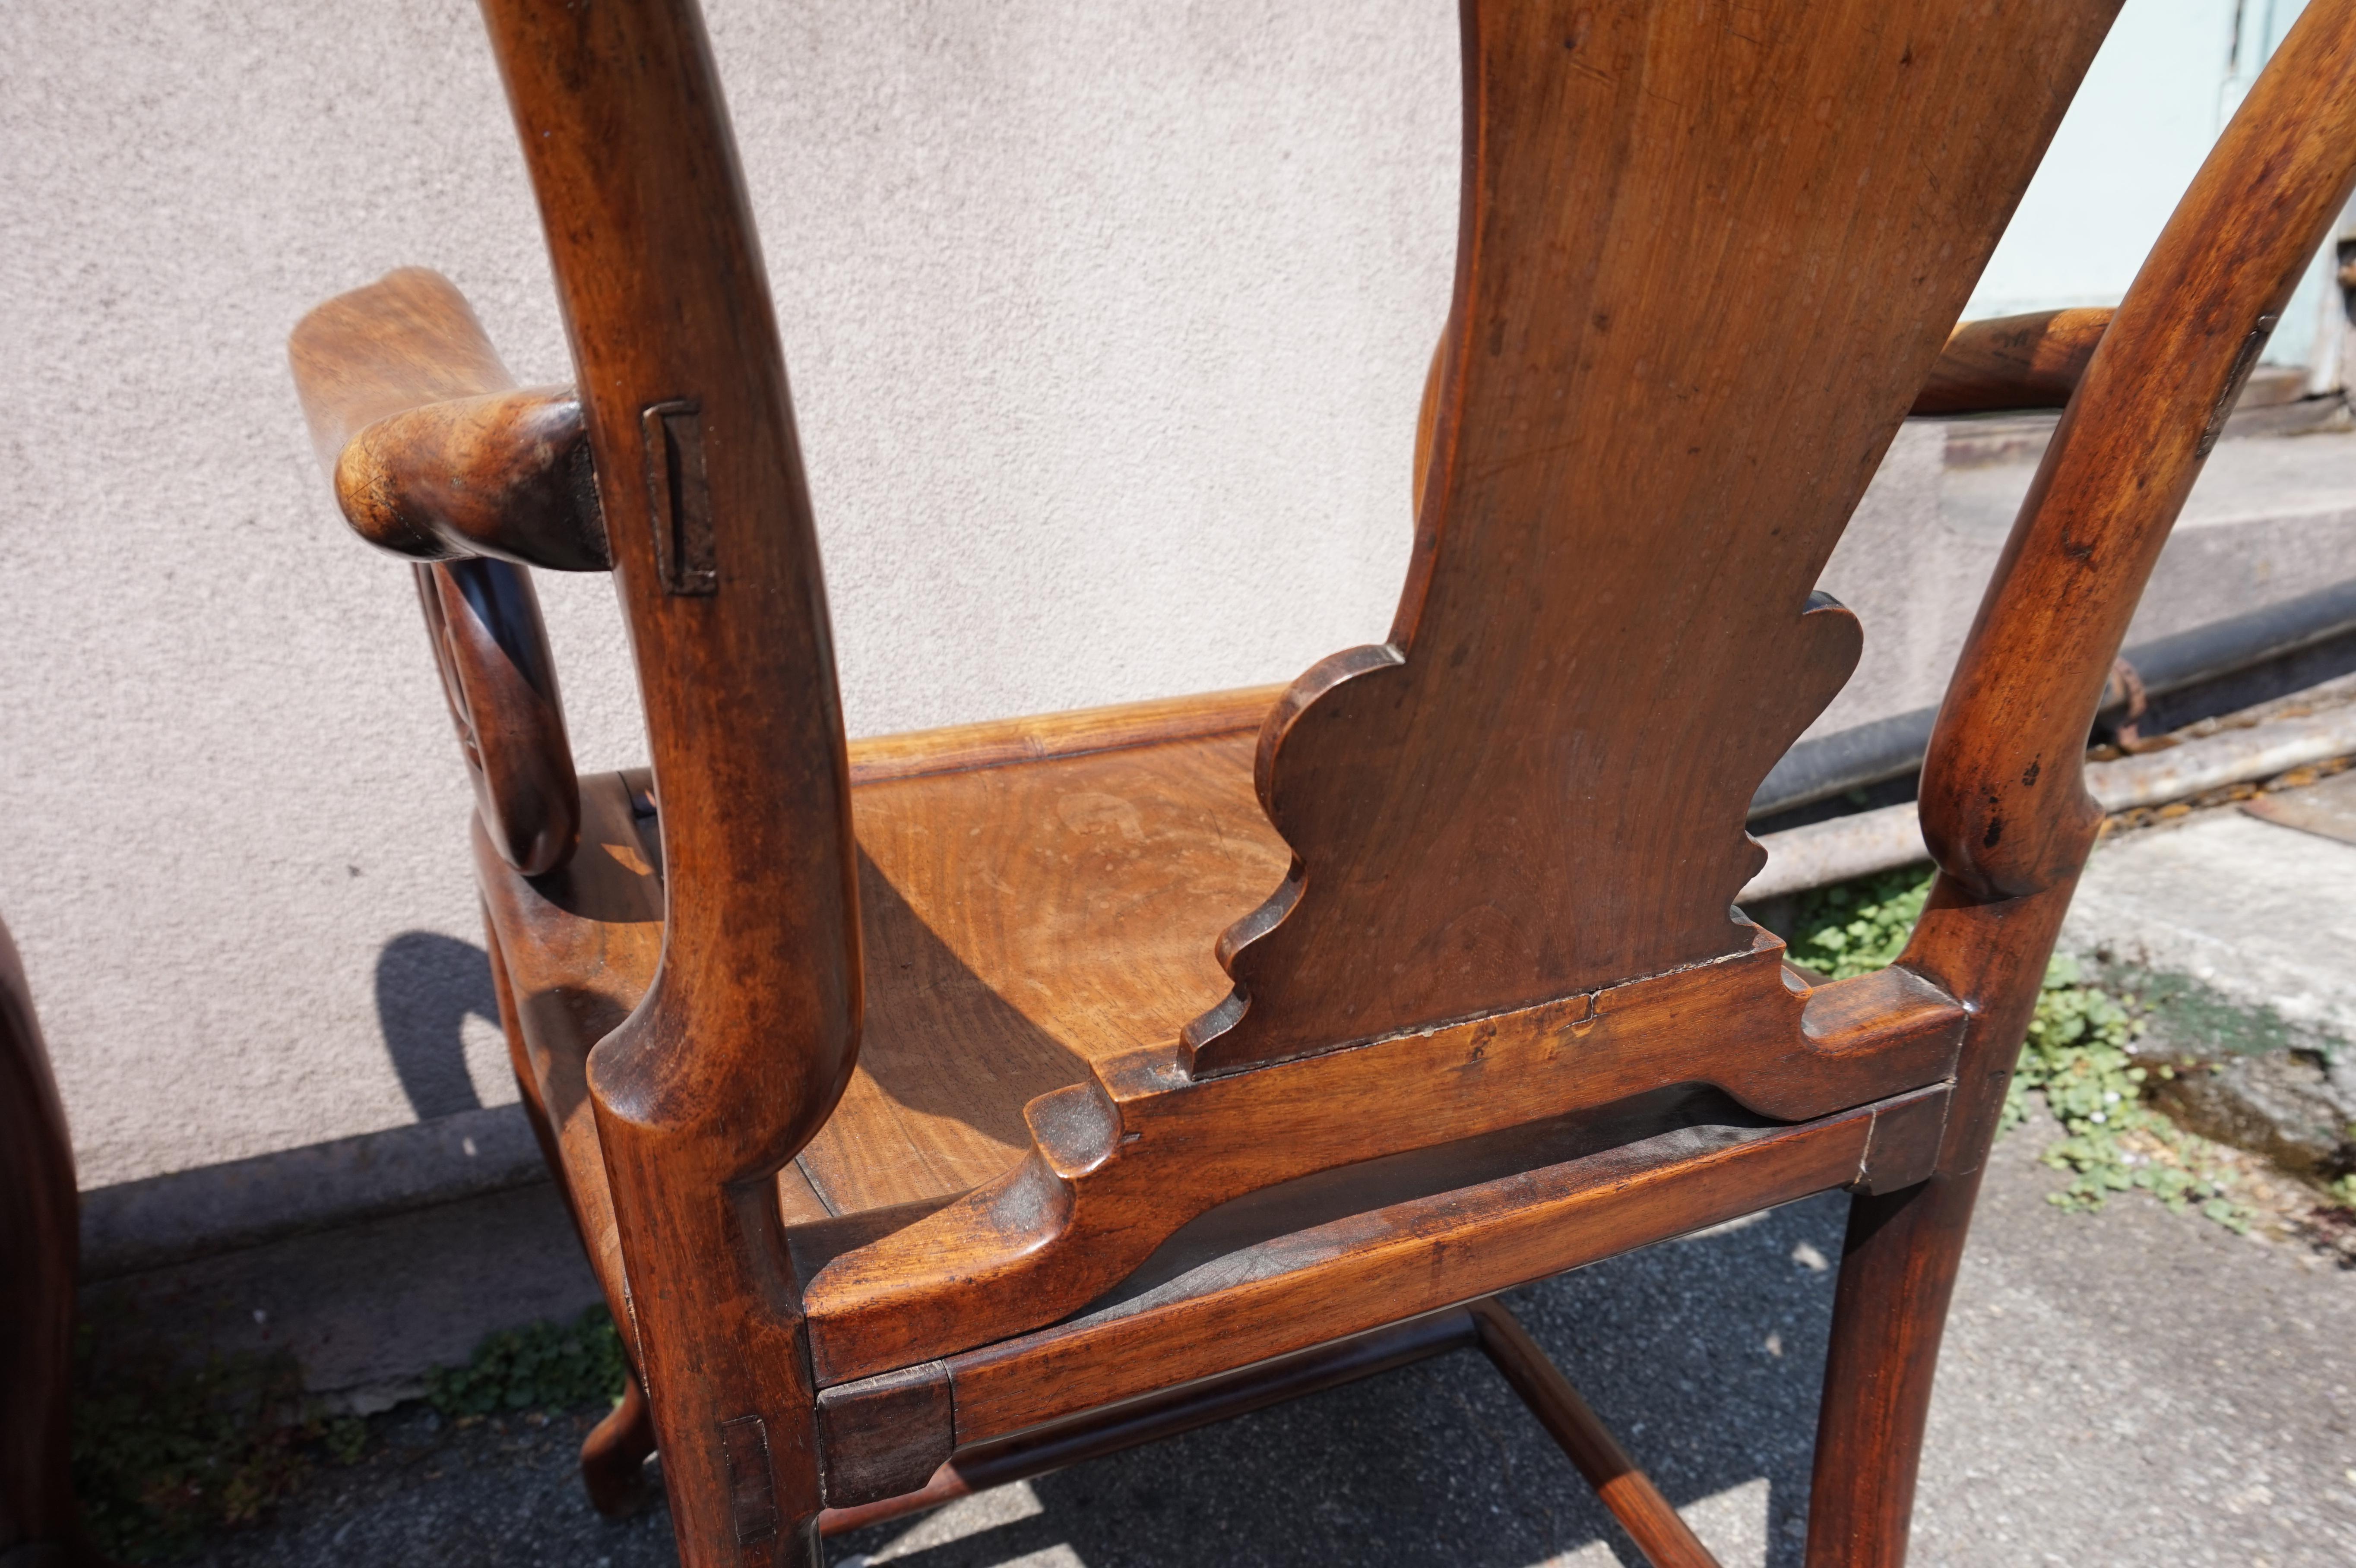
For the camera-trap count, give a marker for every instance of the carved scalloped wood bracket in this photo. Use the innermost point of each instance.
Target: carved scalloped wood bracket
(1702, 269)
(1119, 1163)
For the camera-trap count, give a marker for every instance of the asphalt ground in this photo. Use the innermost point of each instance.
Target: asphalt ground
(2129, 1388)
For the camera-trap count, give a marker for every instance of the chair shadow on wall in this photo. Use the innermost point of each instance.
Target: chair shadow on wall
(427, 984)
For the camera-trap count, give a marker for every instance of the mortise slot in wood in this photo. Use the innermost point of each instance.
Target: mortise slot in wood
(752, 1489)
(678, 497)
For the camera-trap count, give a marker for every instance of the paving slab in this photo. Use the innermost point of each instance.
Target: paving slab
(2262, 914)
(2127, 1388)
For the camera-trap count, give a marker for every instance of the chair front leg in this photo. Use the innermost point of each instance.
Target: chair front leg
(721, 1347)
(1898, 1271)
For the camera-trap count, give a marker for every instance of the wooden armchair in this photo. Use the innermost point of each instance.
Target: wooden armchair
(940, 1108)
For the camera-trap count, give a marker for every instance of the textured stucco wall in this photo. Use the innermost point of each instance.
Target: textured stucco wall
(1107, 325)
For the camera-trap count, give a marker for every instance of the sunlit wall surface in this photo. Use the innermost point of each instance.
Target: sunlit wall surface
(2170, 75)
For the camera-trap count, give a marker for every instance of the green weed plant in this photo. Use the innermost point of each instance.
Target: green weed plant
(2076, 1055)
(167, 1451)
(164, 1451)
(547, 1367)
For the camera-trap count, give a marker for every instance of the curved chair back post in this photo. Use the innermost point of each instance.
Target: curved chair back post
(2005, 808)
(749, 1031)
(752, 1024)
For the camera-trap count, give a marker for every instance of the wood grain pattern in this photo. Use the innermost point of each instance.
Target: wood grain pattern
(404, 342)
(504, 475)
(980, 1006)
(434, 453)
(1022, 921)
(2003, 805)
(365, 361)
(2002, 362)
(747, 1034)
(1607, 636)
(2012, 362)
(886, 1435)
(1037, 737)
(1119, 1163)
(1366, 1270)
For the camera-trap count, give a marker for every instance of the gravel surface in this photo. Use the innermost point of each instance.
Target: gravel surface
(2131, 1388)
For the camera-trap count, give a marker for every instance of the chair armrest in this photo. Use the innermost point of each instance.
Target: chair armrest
(434, 453)
(2005, 808)
(436, 457)
(2005, 362)
(2012, 362)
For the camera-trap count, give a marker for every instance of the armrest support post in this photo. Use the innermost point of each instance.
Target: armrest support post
(416, 423)
(2004, 803)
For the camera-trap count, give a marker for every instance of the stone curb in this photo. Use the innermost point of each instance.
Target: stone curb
(161, 1221)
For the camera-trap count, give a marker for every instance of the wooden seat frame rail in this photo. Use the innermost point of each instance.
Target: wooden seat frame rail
(1499, 1019)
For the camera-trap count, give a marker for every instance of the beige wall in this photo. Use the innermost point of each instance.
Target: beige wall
(1107, 325)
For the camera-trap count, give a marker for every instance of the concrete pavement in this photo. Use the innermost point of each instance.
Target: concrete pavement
(2128, 1388)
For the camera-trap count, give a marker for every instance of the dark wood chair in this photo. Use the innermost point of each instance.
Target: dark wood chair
(923, 1126)
(40, 1253)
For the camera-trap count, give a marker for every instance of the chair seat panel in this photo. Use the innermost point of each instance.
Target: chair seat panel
(1035, 894)
(1022, 922)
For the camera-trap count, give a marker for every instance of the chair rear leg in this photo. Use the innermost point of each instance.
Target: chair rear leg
(1898, 1271)
(614, 1456)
